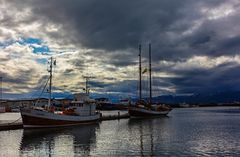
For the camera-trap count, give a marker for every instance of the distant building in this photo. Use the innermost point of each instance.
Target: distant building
(9, 104)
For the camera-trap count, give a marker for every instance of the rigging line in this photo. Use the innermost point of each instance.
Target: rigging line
(42, 91)
(39, 87)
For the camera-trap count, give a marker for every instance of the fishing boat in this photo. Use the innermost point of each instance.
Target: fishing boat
(143, 108)
(80, 111)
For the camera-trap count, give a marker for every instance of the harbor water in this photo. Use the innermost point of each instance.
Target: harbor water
(185, 132)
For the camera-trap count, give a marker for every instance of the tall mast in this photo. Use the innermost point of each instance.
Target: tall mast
(50, 83)
(140, 74)
(150, 76)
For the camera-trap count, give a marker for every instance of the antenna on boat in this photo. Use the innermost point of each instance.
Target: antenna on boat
(140, 73)
(86, 83)
(150, 76)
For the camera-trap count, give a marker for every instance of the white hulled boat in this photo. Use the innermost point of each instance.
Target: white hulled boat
(80, 111)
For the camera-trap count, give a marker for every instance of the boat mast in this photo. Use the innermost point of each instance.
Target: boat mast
(86, 84)
(50, 83)
(140, 74)
(150, 76)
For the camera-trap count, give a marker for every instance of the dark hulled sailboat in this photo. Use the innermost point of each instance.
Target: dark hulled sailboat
(143, 108)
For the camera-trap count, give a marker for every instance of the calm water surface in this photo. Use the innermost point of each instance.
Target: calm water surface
(186, 132)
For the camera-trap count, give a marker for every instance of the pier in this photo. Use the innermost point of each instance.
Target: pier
(114, 117)
(17, 124)
(11, 126)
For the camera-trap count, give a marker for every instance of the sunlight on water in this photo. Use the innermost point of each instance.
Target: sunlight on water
(10, 142)
(186, 132)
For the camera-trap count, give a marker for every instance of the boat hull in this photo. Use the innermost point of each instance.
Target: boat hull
(135, 112)
(39, 119)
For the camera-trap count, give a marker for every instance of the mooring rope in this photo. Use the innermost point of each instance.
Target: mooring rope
(15, 120)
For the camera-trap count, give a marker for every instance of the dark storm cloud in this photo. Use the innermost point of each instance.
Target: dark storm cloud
(199, 80)
(210, 39)
(130, 87)
(125, 87)
(115, 58)
(120, 59)
(178, 30)
(98, 84)
(21, 78)
(120, 25)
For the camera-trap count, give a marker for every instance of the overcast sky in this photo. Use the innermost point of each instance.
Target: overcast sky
(195, 45)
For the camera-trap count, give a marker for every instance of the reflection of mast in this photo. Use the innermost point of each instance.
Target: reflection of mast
(141, 140)
(151, 140)
(151, 144)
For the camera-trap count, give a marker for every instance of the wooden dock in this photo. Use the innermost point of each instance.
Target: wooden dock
(114, 117)
(18, 125)
(11, 126)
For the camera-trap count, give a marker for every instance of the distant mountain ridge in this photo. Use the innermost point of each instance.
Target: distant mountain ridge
(204, 98)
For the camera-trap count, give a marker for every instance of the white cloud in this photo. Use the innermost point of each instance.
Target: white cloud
(206, 62)
(222, 11)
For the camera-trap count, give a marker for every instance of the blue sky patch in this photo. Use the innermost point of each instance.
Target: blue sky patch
(32, 42)
(41, 49)
(25, 41)
(36, 44)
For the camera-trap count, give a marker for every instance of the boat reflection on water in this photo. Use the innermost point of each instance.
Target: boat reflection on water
(69, 141)
(149, 132)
